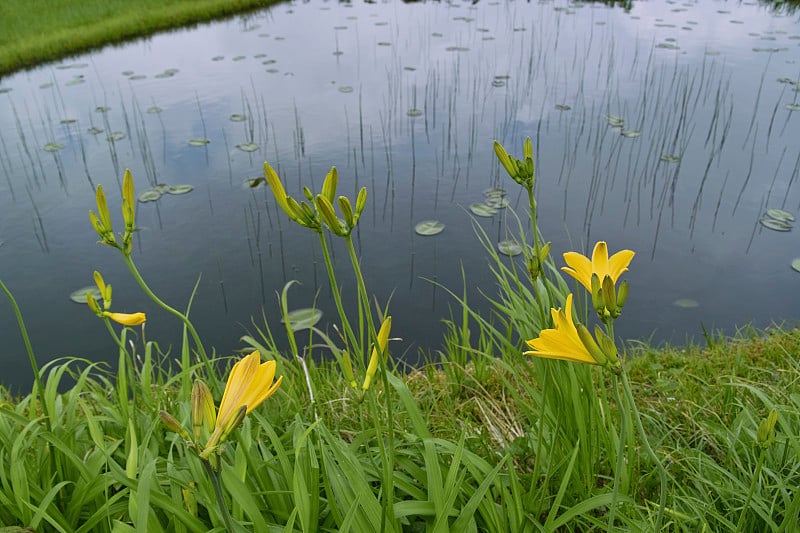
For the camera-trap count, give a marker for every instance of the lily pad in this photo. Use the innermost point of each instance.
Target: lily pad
(509, 248)
(774, 224)
(668, 158)
(414, 112)
(150, 195)
(198, 142)
(137, 77)
(498, 202)
(154, 109)
(563, 107)
(345, 89)
(102, 109)
(94, 130)
(79, 296)
(780, 214)
(494, 192)
(793, 107)
(238, 117)
(163, 188)
(116, 136)
(252, 183)
(796, 263)
(686, 303)
(180, 189)
(498, 83)
(482, 210)
(53, 147)
(614, 121)
(429, 227)
(68, 121)
(630, 133)
(247, 147)
(300, 319)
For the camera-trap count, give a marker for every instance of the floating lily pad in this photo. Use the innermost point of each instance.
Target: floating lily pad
(42, 86)
(68, 121)
(498, 202)
(429, 227)
(127, 73)
(247, 147)
(685, 303)
(163, 188)
(94, 130)
(668, 158)
(494, 192)
(150, 195)
(116, 136)
(630, 133)
(238, 58)
(563, 107)
(457, 49)
(137, 77)
(780, 214)
(217, 58)
(482, 210)
(154, 109)
(79, 296)
(179, 189)
(102, 109)
(254, 182)
(614, 121)
(238, 117)
(509, 248)
(300, 319)
(793, 107)
(498, 83)
(345, 89)
(53, 147)
(76, 81)
(796, 263)
(4, 90)
(414, 112)
(774, 224)
(198, 142)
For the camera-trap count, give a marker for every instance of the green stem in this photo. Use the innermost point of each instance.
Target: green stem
(31, 358)
(623, 423)
(183, 318)
(753, 484)
(337, 297)
(662, 473)
(216, 482)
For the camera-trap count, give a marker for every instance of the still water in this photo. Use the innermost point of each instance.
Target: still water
(406, 100)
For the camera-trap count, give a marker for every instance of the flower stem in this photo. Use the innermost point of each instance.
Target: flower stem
(216, 482)
(623, 423)
(662, 473)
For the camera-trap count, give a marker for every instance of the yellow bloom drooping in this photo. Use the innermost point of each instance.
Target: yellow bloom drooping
(249, 384)
(562, 342)
(127, 319)
(581, 268)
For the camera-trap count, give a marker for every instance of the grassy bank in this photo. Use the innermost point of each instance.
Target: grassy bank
(579, 433)
(32, 32)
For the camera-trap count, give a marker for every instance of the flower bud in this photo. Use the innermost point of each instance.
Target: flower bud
(609, 348)
(308, 194)
(377, 351)
(276, 187)
(203, 412)
(92, 303)
(598, 302)
(610, 296)
(591, 346)
(622, 294)
(173, 425)
(128, 203)
(127, 319)
(766, 430)
(361, 202)
(329, 185)
(105, 290)
(347, 212)
(505, 160)
(328, 215)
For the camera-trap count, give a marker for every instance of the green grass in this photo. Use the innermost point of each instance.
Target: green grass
(35, 31)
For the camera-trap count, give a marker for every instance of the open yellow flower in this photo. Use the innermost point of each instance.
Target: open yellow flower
(126, 319)
(581, 268)
(249, 384)
(562, 342)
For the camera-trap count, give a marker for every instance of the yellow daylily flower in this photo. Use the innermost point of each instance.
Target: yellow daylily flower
(562, 342)
(581, 268)
(249, 384)
(127, 319)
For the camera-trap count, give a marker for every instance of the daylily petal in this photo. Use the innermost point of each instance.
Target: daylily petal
(127, 319)
(561, 342)
(619, 263)
(579, 268)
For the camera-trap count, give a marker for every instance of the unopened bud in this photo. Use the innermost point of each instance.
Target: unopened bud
(361, 202)
(766, 430)
(173, 425)
(598, 302)
(347, 212)
(505, 160)
(610, 296)
(622, 294)
(329, 185)
(203, 411)
(591, 346)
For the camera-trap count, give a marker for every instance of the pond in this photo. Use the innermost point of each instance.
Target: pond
(668, 128)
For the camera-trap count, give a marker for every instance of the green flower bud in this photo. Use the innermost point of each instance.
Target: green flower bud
(347, 212)
(622, 294)
(361, 202)
(204, 414)
(308, 194)
(610, 296)
(598, 302)
(173, 425)
(591, 346)
(766, 430)
(505, 160)
(329, 185)
(328, 216)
